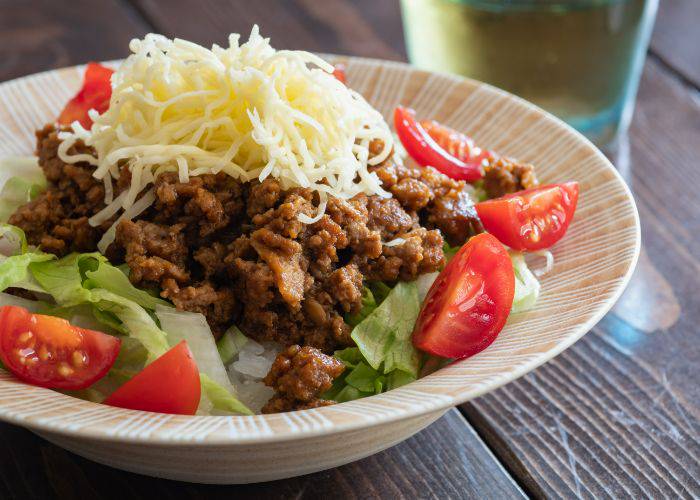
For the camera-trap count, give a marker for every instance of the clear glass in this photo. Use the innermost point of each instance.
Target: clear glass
(579, 59)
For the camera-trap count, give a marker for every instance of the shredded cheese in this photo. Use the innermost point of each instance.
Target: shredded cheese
(247, 110)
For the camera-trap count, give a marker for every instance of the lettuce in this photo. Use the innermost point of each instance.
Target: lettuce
(193, 327)
(384, 336)
(527, 288)
(63, 278)
(220, 398)
(113, 279)
(361, 380)
(384, 357)
(230, 344)
(23, 181)
(372, 296)
(136, 320)
(15, 260)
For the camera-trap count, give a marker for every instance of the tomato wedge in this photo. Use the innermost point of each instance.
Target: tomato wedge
(533, 219)
(47, 351)
(339, 73)
(95, 94)
(468, 305)
(168, 385)
(427, 151)
(459, 145)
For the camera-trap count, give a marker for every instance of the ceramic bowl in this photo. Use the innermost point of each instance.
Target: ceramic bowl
(592, 265)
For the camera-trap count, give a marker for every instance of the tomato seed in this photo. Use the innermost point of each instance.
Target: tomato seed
(64, 370)
(25, 337)
(78, 359)
(44, 353)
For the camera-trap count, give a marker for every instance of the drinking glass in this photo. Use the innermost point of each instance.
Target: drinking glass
(579, 59)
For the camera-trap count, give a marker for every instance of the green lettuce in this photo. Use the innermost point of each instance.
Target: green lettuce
(361, 380)
(15, 259)
(527, 287)
(230, 344)
(219, 398)
(23, 181)
(384, 357)
(112, 278)
(384, 336)
(372, 295)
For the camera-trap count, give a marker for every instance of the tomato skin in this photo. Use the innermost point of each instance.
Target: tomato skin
(533, 219)
(170, 384)
(459, 145)
(339, 73)
(469, 303)
(427, 152)
(49, 352)
(95, 94)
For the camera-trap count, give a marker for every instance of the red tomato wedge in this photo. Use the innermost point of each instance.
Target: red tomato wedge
(47, 351)
(339, 73)
(459, 145)
(426, 150)
(533, 219)
(468, 305)
(95, 94)
(168, 385)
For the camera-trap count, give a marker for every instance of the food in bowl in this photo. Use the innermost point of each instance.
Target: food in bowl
(236, 230)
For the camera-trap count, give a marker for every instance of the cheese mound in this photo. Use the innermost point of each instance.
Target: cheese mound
(247, 110)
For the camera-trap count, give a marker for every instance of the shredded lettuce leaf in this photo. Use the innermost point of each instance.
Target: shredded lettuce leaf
(527, 288)
(361, 380)
(220, 398)
(217, 390)
(384, 336)
(384, 357)
(193, 327)
(230, 344)
(369, 304)
(113, 279)
(22, 180)
(63, 279)
(372, 295)
(15, 259)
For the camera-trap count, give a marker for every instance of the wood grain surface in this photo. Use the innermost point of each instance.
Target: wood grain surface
(676, 38)
(445, 460)
(616, 415)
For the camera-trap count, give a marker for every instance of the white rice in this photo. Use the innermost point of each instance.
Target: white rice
(249, 368)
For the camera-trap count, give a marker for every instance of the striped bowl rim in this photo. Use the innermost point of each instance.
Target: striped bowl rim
(593, 264)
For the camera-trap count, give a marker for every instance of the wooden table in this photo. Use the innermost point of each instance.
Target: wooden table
(616, 415)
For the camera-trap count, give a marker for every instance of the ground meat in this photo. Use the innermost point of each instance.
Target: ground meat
(299, 375)
(506, 176)
(154, 252)
(237, 252)
(438, 201)
(57, 220)
(217, 304)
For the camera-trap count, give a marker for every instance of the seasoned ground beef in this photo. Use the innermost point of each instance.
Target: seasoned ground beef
(505, 176)
(299, 375)
(438, 201)
(237, 252)
(57, 220)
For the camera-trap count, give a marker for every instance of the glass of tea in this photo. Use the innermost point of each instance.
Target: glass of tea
(579, 59)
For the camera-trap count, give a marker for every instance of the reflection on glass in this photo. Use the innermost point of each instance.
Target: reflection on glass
(581, 60)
